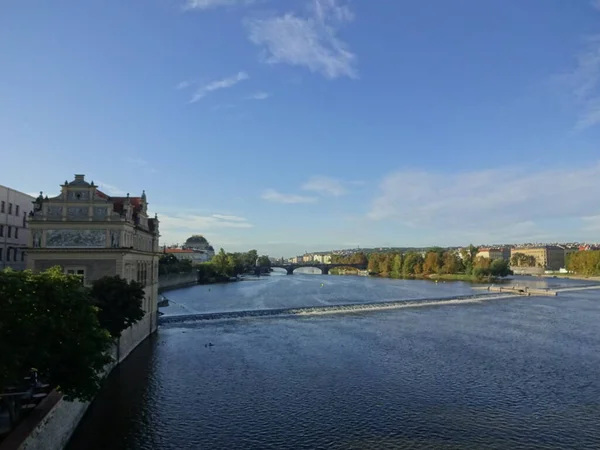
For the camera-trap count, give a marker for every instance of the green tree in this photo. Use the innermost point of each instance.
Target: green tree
(500, 268)
(220, 262)
(412, 264)
(264, 261)
(119, 303)
(48, 322)
(397, 265)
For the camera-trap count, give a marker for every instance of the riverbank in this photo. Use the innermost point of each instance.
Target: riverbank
(571, 276)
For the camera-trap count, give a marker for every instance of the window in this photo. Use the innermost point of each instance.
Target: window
(8, 254)
(16, 210)
(1, 254)
(16, 233)
(15, 255)
(9, 231)
(1, 230)
(10, 208)
(2, 206)
(77, 271)
(22, 256)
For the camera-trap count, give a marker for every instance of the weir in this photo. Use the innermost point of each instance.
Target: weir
(333, 309)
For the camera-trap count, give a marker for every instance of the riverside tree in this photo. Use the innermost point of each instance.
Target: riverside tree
(48, 322)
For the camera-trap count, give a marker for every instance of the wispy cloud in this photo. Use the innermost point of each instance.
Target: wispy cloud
(309, 41)
(499, 198)
(325, 185)
(274, 196)
(224, 83)
(209, 4)
(259, 96)
(584, 81)
(141, 163)
(109, 189)
(201, 223)
(184, 84)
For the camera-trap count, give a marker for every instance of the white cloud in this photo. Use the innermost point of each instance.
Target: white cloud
(259, 96)
(309, 41)
(109, 189)
(218, 84)
(141, 163)
(209, 4)
(200, 223)
(229, 218)
(500, 198)
(183, 84)
(273, 196)
(584, 81)
(325, 185)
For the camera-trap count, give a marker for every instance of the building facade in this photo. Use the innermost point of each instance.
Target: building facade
(495, 253)
(14, 234)
(91, 235)
(548, 257)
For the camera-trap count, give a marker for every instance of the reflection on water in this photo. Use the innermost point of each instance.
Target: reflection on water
(503, 374)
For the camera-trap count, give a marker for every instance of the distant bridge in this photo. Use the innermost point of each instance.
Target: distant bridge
(323, 267)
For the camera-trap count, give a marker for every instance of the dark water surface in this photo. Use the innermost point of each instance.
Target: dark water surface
(500, 374)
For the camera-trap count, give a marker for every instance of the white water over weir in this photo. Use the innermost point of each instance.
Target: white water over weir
(333, 309)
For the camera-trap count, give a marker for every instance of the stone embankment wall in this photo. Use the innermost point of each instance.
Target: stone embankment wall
(176, 280)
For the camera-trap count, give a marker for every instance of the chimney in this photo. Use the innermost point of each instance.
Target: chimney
(79, 177)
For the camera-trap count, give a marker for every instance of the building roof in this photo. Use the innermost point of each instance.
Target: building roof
(178, 250)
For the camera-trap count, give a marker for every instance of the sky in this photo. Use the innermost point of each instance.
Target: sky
(309, 125)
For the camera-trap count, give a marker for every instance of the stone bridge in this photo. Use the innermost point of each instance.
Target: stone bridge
(323, 267)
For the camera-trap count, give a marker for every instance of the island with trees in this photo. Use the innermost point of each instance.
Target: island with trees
(436, 263)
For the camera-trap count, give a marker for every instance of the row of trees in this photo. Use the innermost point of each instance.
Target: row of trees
(523, 260)
(584, 263)
(52, 324)
(436, 261)
(223, 265)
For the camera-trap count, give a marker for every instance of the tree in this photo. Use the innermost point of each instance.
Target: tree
(385, 264)
(220, 262)
(451, 263)
(264, 261)
(48, 322)
(412, 264)
(522, 260)
(119, 303)
(500, 268)
(373, 266)
(397, 265)
(584, 262)
(432, 263)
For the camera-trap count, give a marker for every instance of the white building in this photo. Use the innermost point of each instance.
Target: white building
(14, 234)
(194, 256)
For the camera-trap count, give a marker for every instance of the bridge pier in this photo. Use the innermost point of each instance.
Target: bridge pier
(324, 270)
(290, 270)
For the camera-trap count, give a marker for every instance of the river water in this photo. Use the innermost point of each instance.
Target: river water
(498, 373)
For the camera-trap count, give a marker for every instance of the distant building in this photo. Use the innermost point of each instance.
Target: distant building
(200, 245)
(323, 258)
(549, 257)
(188, 254)
(14, 234)
(91, 235)
(495, 253)
(294, 259)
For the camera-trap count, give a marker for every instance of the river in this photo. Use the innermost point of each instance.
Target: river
(490, 374)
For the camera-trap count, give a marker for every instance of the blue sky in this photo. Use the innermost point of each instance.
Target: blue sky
(314, 124)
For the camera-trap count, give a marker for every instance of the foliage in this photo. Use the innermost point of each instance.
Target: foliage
(168, 263)
(48, 322)
(435, 263)
(522, 260)
(119, 303)
(264, 261)
(584, 262)
(354, 258)
(223, 265)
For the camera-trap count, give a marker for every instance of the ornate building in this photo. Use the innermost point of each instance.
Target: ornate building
(91, 235)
